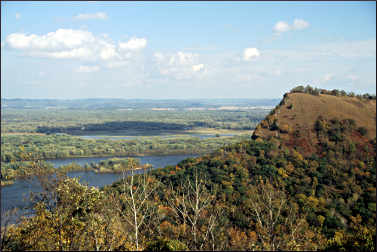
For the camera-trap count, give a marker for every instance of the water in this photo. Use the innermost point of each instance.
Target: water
(155, 161)
(201, 136)
(14, 195)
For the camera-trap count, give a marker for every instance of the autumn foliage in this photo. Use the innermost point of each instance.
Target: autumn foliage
(310, 186)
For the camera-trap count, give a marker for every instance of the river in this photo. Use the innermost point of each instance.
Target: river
(16, 195)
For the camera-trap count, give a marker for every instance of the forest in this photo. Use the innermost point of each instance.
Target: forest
(64, 120)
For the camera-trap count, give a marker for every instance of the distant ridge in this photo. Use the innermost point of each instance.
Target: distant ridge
(108, 103)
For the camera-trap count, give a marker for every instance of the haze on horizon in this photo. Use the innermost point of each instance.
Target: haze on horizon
(185, 50)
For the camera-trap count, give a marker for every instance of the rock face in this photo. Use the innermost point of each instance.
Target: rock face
(293, 120)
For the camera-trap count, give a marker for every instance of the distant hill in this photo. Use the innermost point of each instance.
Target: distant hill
(99, 103)
(293, 120)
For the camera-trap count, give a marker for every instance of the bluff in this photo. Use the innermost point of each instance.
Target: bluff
(319, 148)
(296, 120)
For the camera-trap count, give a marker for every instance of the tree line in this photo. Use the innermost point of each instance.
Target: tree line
(316, 91)
(65, 120)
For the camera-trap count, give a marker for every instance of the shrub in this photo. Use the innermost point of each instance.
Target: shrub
(319, 125)
(316, 92)
(298, 89)
(284, 128)
(275, 125)
(362, 130)
(335, 92)
(264, 124)
(165, 245)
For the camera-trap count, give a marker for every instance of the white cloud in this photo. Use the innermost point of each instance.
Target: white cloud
(74, 44)
(18, 40)
(86, 16)
(182, 58)
(353, 77)
(87, 69)
(250, 53)
(176, 59)
(77, 53)
(277, 72)
(108, 51)
(180, 65)
(158, 56)
(133, 44)
(18, 15)
(116, 64)
(328, 77)
(281, 26)
(197, 68)
(300, 24)
(62, 38)
(276, 69)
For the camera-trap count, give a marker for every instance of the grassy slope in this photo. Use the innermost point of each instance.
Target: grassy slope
(299, 112)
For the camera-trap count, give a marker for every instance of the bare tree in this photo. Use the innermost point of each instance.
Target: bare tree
(278, 224)
(135, 207)
(192, 205)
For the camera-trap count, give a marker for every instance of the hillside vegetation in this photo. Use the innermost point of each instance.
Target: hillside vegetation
(308, 186)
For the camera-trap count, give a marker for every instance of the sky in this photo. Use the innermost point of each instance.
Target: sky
(185, 50)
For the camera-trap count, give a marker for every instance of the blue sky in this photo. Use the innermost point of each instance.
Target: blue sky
(185, 49)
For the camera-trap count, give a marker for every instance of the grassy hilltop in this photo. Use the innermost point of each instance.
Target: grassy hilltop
(294, 120)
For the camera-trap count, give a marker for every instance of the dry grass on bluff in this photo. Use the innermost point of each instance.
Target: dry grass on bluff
(294, 118)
